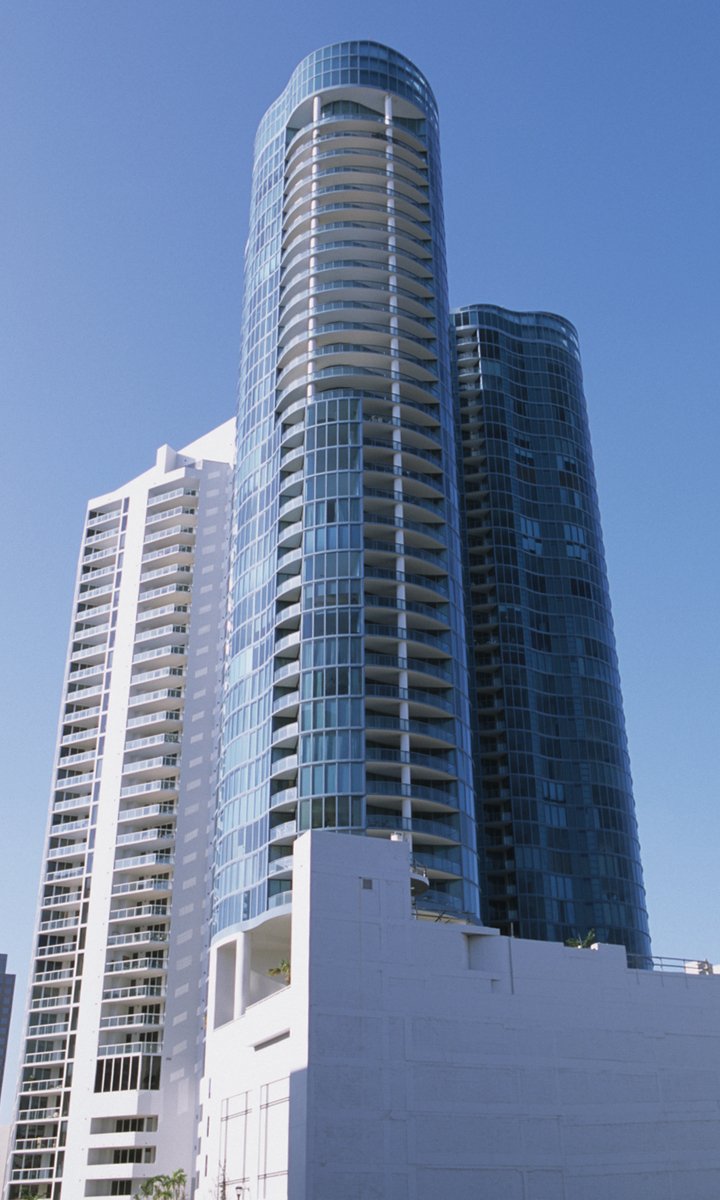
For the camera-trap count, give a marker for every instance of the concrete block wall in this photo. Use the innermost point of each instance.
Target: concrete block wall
(430, 1060)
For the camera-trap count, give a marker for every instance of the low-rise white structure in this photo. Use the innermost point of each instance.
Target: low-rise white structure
(416, 1060)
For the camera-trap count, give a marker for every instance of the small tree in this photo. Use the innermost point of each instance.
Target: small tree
(164, 1187)
(283, 968)
(583, 943)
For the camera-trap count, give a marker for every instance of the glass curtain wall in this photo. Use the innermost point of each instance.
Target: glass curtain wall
(346, 702)
(559, 845)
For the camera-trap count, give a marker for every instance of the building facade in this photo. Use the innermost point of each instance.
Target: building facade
(113, 1042)
(559, 849)
(346, 702)
(7, 989)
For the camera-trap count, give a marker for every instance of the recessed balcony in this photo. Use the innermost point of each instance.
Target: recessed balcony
(147, 965)
(280, 868)
(284, 767)
(138, 938)
(287, 617)
(291, 508)
(163, 499)
(64, 873)
(65, 897)
(285, 736)
(289, 559)
(155, 700)
(386, 726)
(162, 764)
(291, 485)
(112, 1049)
(426, 797)
(141, 991)
(290, 535)
(286, 704)
(143, 862)
(153, 835)
(53, 976)
(148, 681)
(42, 1085)
(283, 797)
(168, 720)
(67, 851)
(186, 511)
(136, 911)
(160, 885)
(58, 950)
(132, 1021)
(286, 831)
(147, 812)
(425, 831)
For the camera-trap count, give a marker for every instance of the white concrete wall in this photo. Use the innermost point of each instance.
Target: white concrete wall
(437, 1062)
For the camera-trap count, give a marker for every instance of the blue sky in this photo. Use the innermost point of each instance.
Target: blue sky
(581, 176)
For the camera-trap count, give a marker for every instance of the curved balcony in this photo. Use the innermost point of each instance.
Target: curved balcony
(283, 797)
(285, 736)
(288, 588)
(286, 705)
(335, 294)
(286, 831)
(287, 672)
(417, 533)
(415, 506)
(291, 507)
(280, 868)
(284, 767)
(427, 765)
(417, 587)
(415, 483)
(424, 830)
(434, 642)
(377, 550)
(423, 703)
(425, 733)
(425, 616)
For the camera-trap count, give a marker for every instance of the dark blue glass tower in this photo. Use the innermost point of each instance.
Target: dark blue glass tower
(7, 988)
(558, 838)
(347, 699)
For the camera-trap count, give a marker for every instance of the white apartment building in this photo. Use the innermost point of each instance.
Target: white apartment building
(108, 1081)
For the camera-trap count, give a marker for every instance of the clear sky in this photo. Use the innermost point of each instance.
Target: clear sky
(581, 176)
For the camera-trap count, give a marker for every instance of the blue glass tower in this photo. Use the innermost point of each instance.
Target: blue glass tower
(558, 837)
(7, 988)
(346, 702)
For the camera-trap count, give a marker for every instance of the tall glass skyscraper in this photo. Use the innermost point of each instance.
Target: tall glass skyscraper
(558, 837)
(346, 702)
